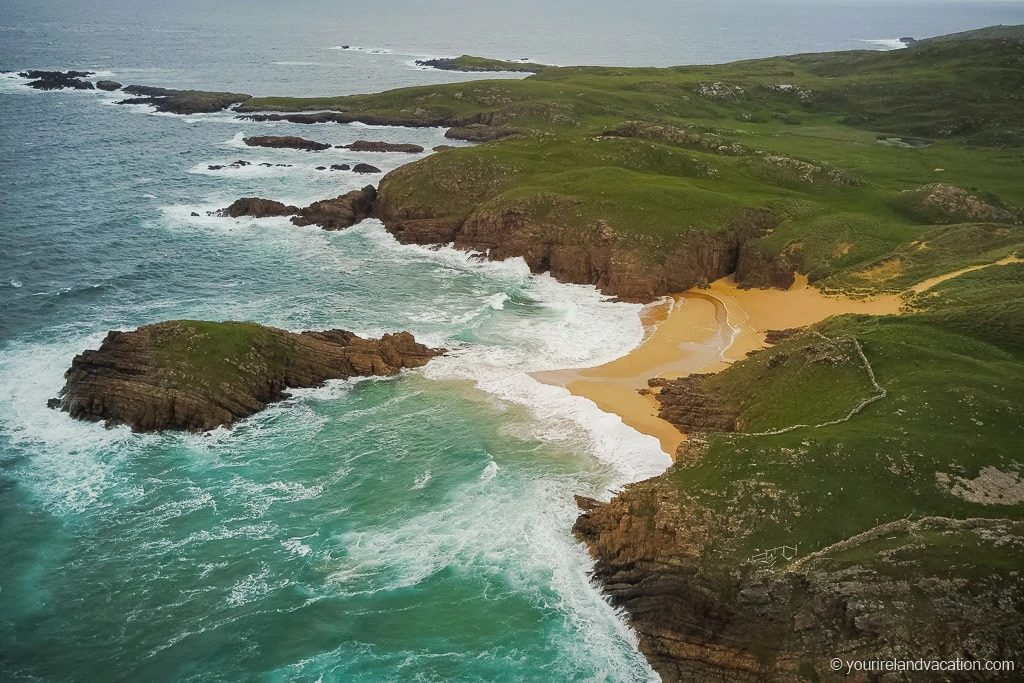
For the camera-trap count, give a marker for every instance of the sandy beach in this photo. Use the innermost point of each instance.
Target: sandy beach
(702, 330)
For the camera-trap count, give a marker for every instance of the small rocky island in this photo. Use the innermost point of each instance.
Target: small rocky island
(191, 375)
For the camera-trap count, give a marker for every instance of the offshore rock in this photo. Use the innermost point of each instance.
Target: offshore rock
(286, 142)
(339, 213)
(58, 80)
(190, 375)
(258, 208)
(377, 146)
(109, 86)
(365, 168)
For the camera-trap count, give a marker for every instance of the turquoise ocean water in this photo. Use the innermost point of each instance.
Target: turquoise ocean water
(415, 528)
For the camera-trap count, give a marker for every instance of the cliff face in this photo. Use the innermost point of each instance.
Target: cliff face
(885, 594)
(196, 376)
(594, 254)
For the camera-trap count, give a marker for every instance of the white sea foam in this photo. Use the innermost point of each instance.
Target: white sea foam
(366, 50)
(422, 481)
(515, 534)
(887, 43)
(576, 327)
(74, 463)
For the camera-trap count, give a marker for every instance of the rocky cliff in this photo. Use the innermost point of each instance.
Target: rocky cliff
(595, 254)
(196, 376)
(885, 594)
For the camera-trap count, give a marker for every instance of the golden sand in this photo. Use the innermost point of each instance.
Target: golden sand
(702, 330)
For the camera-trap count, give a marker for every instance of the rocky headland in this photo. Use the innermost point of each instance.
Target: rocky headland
(182, 101)
(196, 376)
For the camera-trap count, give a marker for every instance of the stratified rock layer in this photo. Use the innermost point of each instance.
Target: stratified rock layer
(196, 376)
(596, 254)
(885, 594)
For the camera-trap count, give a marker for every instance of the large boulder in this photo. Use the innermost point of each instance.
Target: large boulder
(192, 375)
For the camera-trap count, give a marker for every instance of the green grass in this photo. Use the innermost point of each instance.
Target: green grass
(654, 191)
(206, 356)
(954, 377)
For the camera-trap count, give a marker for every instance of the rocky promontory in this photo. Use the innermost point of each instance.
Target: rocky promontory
(182, 101)
(285, 142)
(192, 375)
(885, 594)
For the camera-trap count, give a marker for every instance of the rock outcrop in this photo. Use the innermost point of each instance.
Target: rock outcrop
(378, 146)
(478, 132)
(109, 86)
(182, 101)
(339, 213)
(943, 204)
(876, 596)
(196, 376)
(58, 80)
(285, 142)
(595, 254)
(365, 168)
(464, 65)
(258, 208)
(684, 403)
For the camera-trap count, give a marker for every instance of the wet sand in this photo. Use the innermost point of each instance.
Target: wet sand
(702, 330)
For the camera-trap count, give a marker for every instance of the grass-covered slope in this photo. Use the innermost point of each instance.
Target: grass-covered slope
(944, 440)
(857, 157)
(870, 505)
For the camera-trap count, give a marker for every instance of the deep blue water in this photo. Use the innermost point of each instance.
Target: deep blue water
(414, 528)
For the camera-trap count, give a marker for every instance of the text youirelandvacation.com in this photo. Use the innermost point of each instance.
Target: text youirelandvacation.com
(941, 665)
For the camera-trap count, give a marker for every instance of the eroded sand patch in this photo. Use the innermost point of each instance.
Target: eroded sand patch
(991, 487)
